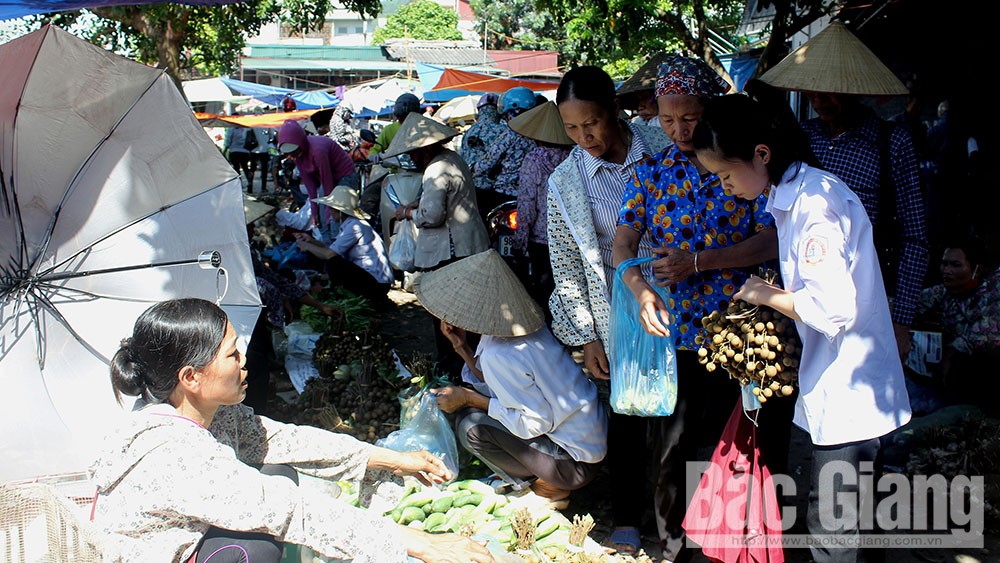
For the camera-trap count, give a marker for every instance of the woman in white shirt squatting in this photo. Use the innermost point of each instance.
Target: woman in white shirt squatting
(528, 411)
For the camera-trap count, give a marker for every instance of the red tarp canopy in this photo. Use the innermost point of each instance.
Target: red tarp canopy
(452, 79)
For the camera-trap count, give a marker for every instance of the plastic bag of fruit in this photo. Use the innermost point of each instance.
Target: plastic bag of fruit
(429, 430)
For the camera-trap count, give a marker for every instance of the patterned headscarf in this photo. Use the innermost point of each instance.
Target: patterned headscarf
(689, 76)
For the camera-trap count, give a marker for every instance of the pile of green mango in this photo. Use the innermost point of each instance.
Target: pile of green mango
(469, 506)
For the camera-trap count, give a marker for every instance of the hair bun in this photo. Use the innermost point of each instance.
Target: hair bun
(126, 347)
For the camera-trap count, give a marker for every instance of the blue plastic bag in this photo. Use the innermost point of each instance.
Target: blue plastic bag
(643, 366)
(427, 430)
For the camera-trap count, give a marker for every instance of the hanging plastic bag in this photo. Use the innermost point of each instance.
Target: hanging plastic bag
(643, 366)
(427, 430)
(403, 246)
(734, 515)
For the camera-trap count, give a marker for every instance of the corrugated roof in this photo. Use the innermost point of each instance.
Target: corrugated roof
(447, 53)
(325, 52)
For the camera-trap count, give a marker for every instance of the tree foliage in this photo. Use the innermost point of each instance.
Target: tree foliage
(618, 35)
(422, 19)
(790, 17)
(190, 40)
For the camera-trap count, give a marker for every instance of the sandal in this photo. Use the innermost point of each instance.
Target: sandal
(626, 540)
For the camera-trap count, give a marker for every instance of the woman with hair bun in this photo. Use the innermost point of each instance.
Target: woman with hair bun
(194, 476)
(584, 198)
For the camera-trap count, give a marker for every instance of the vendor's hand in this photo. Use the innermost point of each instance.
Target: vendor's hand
(673, 266)
(653, 313)
(332, 311)
(903, 342)
(425, 466)
(753, 290)
(455, 335)
(401, 212)
(450, 398)
(303, 237)
(596, 360)
(302, 245)
(443, 548)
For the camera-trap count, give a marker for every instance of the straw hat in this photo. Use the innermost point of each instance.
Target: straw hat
(542, 123)
(255, 209)
(345, 200)
(418, 131)
(481, 294)
(837, 62)
(644, 78)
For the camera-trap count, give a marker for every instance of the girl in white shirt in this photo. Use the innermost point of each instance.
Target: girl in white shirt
(851, 387)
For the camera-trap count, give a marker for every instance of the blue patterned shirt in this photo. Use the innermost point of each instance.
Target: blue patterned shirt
(678, 207)
(854, 157)
(503, 160)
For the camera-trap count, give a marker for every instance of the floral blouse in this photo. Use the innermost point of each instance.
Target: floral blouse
(503, 160)
(533, 187)
(164, 480)
(970, 322)
(679, 208)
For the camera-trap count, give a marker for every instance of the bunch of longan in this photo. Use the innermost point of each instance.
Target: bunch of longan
(753, 344)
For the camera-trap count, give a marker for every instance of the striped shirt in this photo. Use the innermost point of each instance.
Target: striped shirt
(854, 157)
(606, 183)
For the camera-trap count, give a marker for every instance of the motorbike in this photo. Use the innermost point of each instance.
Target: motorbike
(401, 185)
(501, 224)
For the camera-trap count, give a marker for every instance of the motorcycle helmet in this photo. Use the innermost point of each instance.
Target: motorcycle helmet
(405, 105)
(517, 101)
(487, 100)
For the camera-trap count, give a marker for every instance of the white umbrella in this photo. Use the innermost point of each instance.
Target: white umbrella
(109, 192)
(458, 109)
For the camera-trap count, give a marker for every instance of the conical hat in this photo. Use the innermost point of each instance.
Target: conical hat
(345, 200)
(481, 294)
(255, 209)
(542, 123)
(837, 62)
(645, 77)
(418, 131)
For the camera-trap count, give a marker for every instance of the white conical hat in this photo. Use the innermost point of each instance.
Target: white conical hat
(345, 200)
(418, 131)
(481, 294)
(837, 62)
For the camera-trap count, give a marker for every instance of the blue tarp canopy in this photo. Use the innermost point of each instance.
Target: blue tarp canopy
(273, 96)
(14, 9)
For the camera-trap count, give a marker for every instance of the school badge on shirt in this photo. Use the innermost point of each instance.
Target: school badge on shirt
(814, 250)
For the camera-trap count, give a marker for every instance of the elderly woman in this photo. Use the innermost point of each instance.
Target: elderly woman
(446, 215)
(703, 235)
(527, 411)
(195, 476)
(585, 196)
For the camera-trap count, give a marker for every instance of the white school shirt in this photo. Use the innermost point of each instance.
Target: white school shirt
(851, 384)
(536, 389)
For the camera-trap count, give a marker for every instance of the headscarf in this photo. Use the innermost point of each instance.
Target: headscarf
(688, 76)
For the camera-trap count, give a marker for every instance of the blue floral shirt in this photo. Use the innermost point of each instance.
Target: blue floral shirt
(680, 208)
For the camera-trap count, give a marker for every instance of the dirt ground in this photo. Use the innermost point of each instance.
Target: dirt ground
(408, 329)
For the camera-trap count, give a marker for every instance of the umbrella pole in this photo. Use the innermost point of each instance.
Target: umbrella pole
(206, 260)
